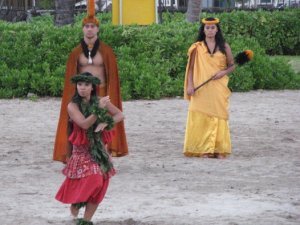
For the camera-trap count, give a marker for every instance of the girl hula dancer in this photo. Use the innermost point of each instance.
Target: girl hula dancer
(89, 168)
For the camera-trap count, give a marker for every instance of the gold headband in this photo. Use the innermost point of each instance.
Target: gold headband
(209, 22)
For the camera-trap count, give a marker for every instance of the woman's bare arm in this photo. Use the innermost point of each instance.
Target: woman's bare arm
(230, 60)
(79, 118)
(115, 112)
(230, 64)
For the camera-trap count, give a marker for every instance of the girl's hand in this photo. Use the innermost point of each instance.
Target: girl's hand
(219, 75)
(103, 101)
(190, 90)
(100, 127)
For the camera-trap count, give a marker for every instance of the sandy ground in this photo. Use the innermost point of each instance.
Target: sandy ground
(156, 184)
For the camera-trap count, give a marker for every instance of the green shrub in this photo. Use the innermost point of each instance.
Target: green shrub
(262, 72)
(277, 31)
(151, 59)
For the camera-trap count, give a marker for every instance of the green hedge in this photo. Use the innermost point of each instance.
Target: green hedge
(277, 31)
(263, 72)
(151, 59)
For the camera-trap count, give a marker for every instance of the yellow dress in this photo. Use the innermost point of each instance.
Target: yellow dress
(207, 129)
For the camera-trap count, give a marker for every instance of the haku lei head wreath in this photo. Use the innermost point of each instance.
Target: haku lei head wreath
(90, 18)
(86, 77)
(210, 20)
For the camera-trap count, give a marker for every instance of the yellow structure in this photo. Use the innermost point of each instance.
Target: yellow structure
(141, 12)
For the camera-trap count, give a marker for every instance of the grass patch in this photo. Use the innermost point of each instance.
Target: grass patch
(294, 61)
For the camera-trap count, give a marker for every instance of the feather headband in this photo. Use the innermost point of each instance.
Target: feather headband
(90, 18)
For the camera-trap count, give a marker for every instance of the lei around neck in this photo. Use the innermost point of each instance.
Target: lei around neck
(97, 149)
(86, 49)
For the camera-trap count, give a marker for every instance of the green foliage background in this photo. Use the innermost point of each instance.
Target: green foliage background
(151, 59)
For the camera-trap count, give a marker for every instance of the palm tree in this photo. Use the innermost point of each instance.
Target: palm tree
(64, 12)
(194, 10)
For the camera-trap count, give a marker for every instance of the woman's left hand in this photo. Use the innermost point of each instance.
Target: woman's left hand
(100, 127)
(219, 75)
(103, 101)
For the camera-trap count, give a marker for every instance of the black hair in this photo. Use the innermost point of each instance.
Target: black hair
(220, 41)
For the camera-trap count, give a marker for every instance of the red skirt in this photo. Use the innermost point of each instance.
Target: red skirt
(88, 189)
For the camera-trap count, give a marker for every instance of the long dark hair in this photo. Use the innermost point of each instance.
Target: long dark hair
(220, 41)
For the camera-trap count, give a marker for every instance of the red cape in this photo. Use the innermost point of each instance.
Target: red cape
(119, 145)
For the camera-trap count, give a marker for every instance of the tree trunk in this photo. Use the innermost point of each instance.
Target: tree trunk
(194, 11)
(160, 18)
(64, 12)
(99, 4)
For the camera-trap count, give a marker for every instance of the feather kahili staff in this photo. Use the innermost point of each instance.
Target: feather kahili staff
(240, 59)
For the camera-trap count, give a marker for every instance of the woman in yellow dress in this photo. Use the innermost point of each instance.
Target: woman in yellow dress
(207, 131)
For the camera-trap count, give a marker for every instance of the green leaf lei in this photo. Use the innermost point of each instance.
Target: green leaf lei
(98, 152)
(85, 78)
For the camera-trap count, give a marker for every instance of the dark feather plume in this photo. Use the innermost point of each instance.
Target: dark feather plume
(243, 57)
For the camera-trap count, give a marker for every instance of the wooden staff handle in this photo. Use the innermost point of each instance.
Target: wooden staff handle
(205, 82)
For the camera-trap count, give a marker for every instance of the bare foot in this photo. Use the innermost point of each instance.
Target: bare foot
(220, 156)
(208, 155)
(74, 211)
(204, 156)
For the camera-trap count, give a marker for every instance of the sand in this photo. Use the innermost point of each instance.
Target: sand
(156, 185)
